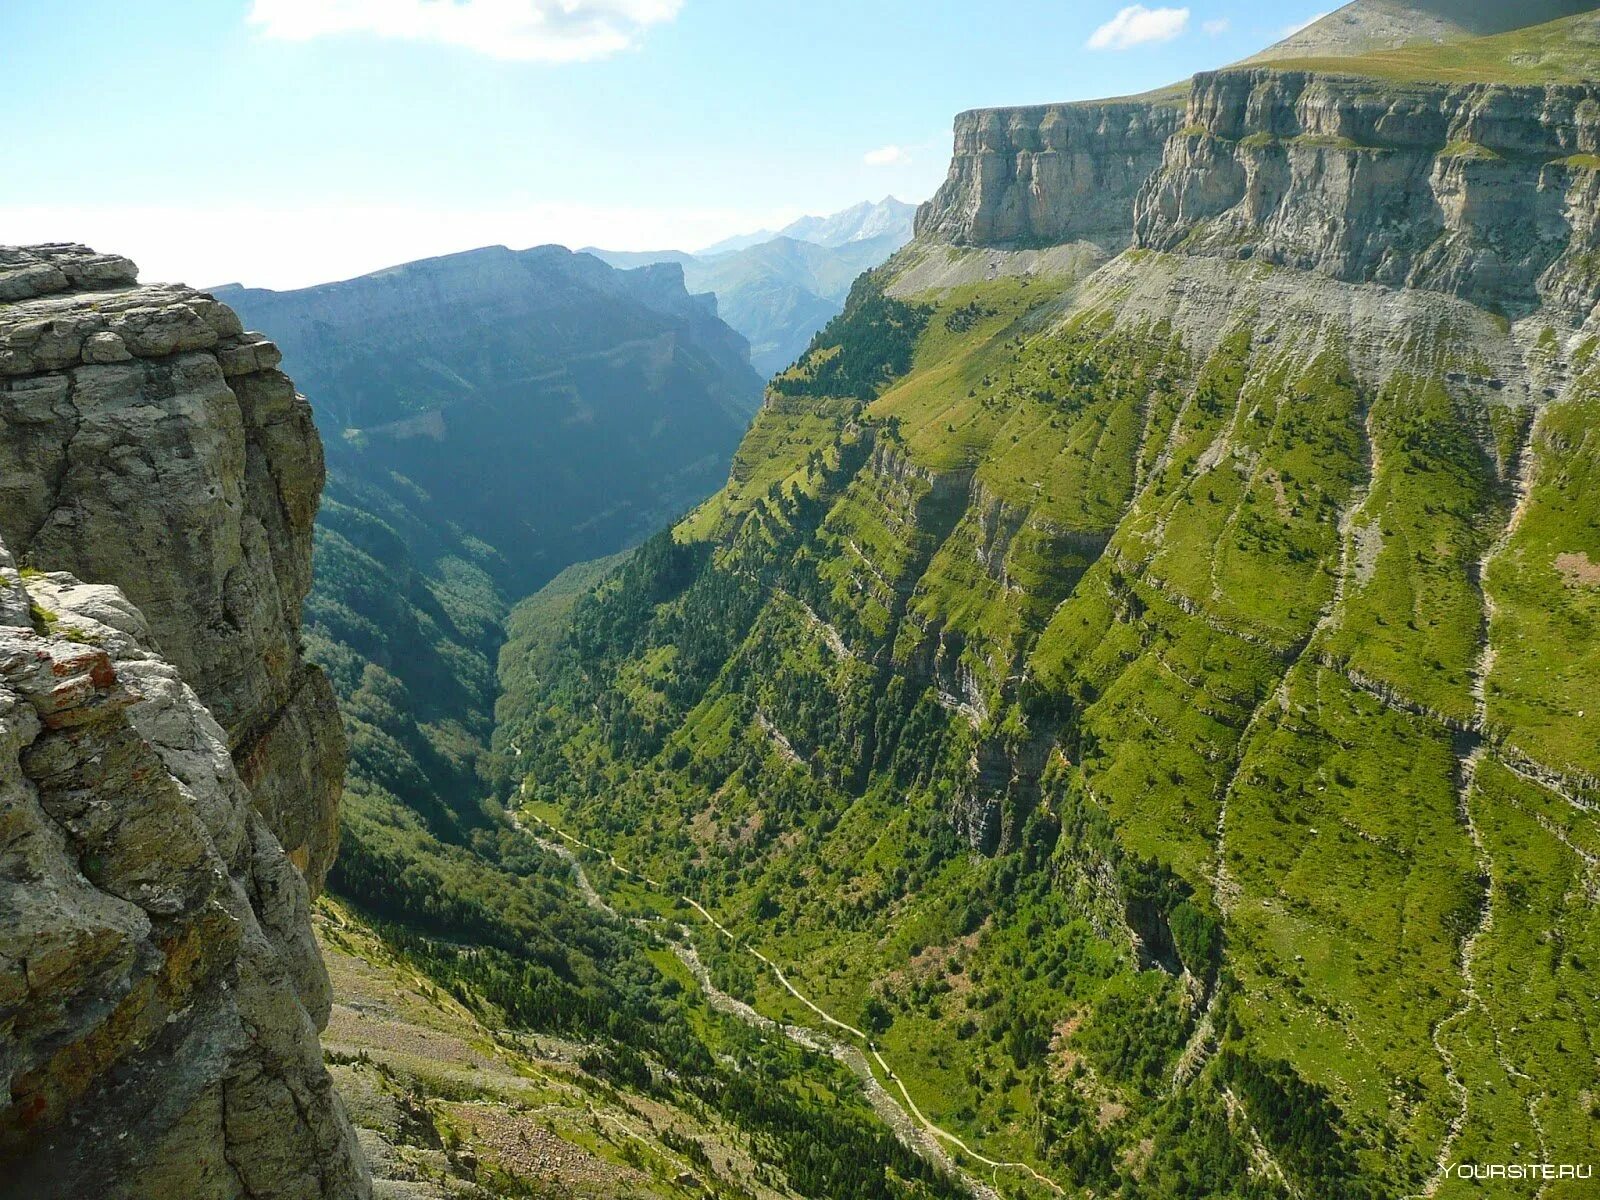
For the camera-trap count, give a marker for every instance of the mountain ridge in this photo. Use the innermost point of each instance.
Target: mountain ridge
(865, 218)
(1133, 687)
(777, 292)
(1368, 25)
(779, 288)
(491, 417)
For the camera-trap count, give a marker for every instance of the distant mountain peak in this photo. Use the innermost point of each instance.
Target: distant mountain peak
(854, 224)
(778, 288)
(862, 220)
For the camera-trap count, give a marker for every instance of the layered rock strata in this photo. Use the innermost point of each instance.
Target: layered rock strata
(153, 443)
(170, 765)
(1482, 191)
(160, 991)
(1049, 174)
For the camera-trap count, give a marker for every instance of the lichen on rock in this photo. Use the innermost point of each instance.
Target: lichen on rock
(152, 443)
(160, 991)
(168, 759)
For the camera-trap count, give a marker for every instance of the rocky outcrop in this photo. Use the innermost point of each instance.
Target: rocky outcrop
(167, 757)
(152, 443)
(160, 991)
(1049, 174)
(1480, 191)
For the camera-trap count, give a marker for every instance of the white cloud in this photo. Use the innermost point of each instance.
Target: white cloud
(1137, 25)
(524, 30)
(1217, 27)
(887, 156)
(1291, 30)
(288, 247)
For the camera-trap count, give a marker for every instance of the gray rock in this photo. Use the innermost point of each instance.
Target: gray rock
(1468, 189)
(161, 742)
(160, 992)
(1049, 174)
(14, 608)
(105, 348)
(152, 443)
(1482, 191)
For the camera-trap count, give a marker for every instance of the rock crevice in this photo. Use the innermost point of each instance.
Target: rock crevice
(152, 443)
(162, 742)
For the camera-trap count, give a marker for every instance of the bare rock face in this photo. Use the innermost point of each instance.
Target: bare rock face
(160, 991)
(152, 443)
(1479, 191)
(160, 746)
(1049, 174)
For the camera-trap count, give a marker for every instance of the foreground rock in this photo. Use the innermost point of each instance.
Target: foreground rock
(150, 442)
(167, 757)
(160, 991)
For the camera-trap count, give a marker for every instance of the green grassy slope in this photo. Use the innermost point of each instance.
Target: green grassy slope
(489, 418)
(1560, 51)
(405, 618)
(1093, 715)
(582, 1058)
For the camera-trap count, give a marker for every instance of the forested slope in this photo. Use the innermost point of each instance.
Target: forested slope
(490, 417)
(1149, 692)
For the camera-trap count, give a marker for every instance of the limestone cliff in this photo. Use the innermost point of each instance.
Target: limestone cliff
(1049, 174)
(160, 992)
(1238, 595)
(161, 743)
(1483, 191)
(152, 443)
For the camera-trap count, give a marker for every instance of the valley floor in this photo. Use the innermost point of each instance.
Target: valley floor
(855, 1048)
(448, 1106)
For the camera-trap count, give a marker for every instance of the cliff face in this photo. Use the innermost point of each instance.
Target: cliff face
(160, 993)
(1481, 191)
(1048, 174)
(153, 443)
(1238, 596)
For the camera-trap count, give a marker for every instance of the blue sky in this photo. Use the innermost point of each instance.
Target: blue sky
(284, 142)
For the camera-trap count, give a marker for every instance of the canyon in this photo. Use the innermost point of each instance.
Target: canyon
(1111, 718)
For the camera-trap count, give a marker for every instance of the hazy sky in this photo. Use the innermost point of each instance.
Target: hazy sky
(285, 142)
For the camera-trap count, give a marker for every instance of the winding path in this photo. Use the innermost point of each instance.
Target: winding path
(905, 1106)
